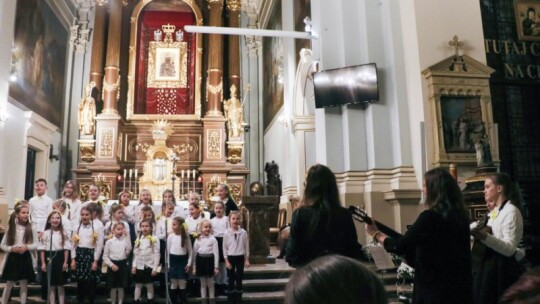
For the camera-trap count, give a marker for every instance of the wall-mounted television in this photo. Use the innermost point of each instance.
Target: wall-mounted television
(348, 85)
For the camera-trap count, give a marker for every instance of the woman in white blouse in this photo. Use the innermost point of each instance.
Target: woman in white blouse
(499, 267)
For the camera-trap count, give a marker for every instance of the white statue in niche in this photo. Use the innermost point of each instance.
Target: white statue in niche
(159, 169)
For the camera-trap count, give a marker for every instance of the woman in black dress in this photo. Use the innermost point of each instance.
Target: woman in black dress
(321, 225)
(440, 240)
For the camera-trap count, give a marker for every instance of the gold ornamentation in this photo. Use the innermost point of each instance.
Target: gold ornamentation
(236, 191)
(234, 152)
(167, 62)
(214, 89)
(234, 5)
(111, 87)
(234, 111)
(106, 143)
(87, 111)
(87, 148)
(215, 1)
(162, 127)
(186, 150)
(213, 141)
(143, 147)
(119, 147)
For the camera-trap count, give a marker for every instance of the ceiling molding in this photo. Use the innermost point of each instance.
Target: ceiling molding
(65, 10)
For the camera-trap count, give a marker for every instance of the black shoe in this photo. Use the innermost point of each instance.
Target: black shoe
(183, 296)
(238, 296)
(150, 301)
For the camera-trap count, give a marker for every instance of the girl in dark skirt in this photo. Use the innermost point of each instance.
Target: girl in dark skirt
(54, 255)
(206, 259)
(145, 261)
(18, 242)
(180, 256)
(220, 224)
(87, 243)
(115, 256)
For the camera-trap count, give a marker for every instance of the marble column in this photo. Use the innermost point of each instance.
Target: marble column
(98, 47)
(108, 121)
(111, 81)
(259, 208)
(215, 136)
(233, 8)
(214, 86)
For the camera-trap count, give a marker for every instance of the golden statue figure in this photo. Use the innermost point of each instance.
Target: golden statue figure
(87, 111)
(234, 111)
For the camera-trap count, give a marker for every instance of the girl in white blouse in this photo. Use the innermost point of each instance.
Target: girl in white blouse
(54, 253)
(18, 241)
(220, 223)
(206, 258)
(115, 255)
(499, 269)
(87, 246)
(145, 261)
(180, 256)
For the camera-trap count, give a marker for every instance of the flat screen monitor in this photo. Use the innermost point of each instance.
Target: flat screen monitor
(348, 85)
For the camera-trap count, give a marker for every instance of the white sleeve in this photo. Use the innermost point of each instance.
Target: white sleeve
(512, 225)
(106, 251)
(189, 250)
(216, 252)
(98, 248)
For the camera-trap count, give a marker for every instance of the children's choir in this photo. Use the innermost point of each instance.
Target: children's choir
(81, 241)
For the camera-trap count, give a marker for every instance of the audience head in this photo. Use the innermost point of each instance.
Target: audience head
(321, 188)
(525, 291)
(125, 197)
(334, 279)
(93, 193)
(442, 193)
(193, 197)
(145, 197)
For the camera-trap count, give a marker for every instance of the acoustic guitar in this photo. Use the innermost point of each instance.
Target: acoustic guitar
(361, 216)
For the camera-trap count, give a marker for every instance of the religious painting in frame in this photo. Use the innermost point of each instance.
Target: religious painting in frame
(273, 71)
(461, 118)
(528, 19)
(167, 65)
(38, 60)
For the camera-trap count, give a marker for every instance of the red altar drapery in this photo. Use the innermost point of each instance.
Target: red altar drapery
(163, 100)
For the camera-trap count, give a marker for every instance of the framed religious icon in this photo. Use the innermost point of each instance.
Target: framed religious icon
(528, 19)
(167, 65)
(165, 62)
(461, 117)
(460, 108)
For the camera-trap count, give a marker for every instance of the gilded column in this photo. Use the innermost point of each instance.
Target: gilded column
(98, 47)
(214, 85)
(233, 8)
(111, 85)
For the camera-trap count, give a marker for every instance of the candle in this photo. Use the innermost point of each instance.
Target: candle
(182, 173)
(193, 173)
(130, 173)
(125, 173)
(136, 170)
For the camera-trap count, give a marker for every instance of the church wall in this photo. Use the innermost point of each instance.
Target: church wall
(21, 129)
(436, 24)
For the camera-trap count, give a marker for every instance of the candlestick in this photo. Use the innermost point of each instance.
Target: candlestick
(125, 173)
(182, 183)
(124, 185)
(136, 170)
(130, 173)
(182, 174)
(193, 173)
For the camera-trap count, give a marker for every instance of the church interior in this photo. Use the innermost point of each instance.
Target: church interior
(189, 94)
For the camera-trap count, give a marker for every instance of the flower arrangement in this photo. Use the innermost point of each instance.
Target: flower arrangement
(75, 239)
(185, 225)
(94, 238)
(405, 272)
(152, 239)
